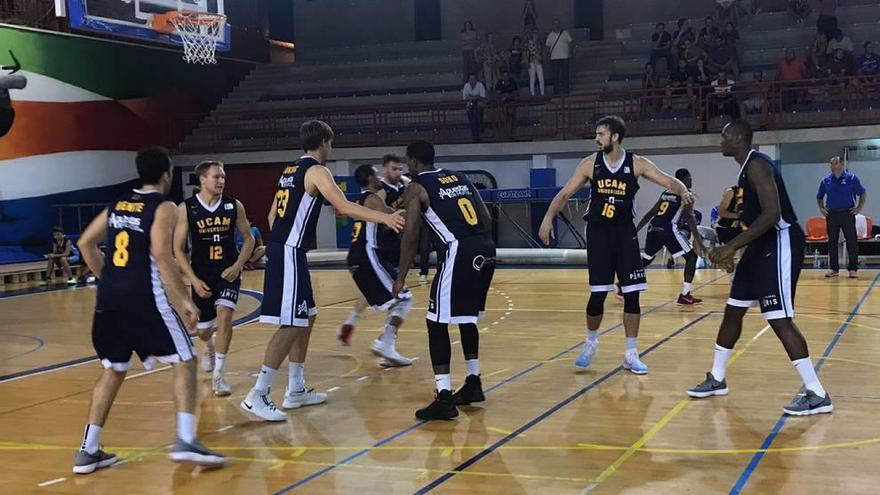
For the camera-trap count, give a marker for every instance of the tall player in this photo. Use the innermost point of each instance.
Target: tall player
(209, 220)
(392, 185)
(287, 288)
(612, 245)
(664, 218)
(453, 209)
(132, 313)
(374, 275)
(767, 272)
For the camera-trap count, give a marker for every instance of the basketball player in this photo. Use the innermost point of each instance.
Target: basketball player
(208, 220)
(453, 209)
(392, 184)
(767, 272)
(728, 218)
(132, 313)
(612, 245)
(287, 288)
(373, 275)
(664, 218)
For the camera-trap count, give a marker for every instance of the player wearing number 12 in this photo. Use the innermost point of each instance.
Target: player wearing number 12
(612, 245)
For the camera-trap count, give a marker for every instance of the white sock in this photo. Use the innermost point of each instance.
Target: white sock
(805, 368)
(593, 336)
(719, 365)
(296, 381)
(389, 334)
(264, 380)
(443, 382)
(219, 364)
(631, 343)
(686, 288)
(473, 366)
(186, 427)
(91, 438)
(353, 318)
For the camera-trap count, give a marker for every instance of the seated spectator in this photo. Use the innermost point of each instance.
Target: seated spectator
(839, 66)
(721, 57)
(754, 96)
(508, 92)
(678, 84)
(691, 53)
(62, 249)
(800, 9)
(723, 101)
(709, 28)
(259, 246)
(869, 64)
(791, 68)
(515, 59)
(684, 32)
(730, 37)
(818, 55)
(474, 94)
(840, 41)
(650, 85)
(700, 73)
(661, 43)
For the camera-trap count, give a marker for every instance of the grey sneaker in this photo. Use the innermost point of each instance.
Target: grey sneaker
(221, 386)
(809, 404)
(85, 463)
(197, 453)
(708, 388)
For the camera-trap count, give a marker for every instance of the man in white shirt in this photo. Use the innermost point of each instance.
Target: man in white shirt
(473, 93)
(559, 42)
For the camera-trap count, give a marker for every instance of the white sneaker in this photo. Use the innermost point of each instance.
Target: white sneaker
(632, 362)
(221, 387)
(423, 279)
(387, 350)
(262, 407)
(90, 279)
(307, 397)
(208, 358)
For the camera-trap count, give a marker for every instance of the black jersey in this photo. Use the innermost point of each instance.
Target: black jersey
(59, 247)
(669, 211)
(612, 193)
(747, 203)
(363, 233)
(452, 205)
(296, 212)
(394, 194)
(730, 223)
(212, 232)
(130, 278)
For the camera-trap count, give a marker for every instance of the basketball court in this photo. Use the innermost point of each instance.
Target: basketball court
(544, 428)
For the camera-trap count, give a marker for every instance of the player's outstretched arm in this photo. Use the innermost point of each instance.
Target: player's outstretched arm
(320, 177)
(582, 174)
(414, 197)
(89, 240)
(648, 215)
(646, 168)
(161, 246)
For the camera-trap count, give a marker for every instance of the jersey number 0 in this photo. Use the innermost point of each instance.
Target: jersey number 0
(468, 211)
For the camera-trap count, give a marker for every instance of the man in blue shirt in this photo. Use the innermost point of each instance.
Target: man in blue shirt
(837, 202)
(259, 247)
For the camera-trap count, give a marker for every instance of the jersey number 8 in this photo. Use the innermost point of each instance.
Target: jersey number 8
(608, 210)
(120, 254)
(468, 211)
(281, 199)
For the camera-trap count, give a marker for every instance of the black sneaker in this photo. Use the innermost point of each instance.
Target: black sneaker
(197, 453)
(709, 387)
(809, 404)
(441, 408)
(85, 463)
(471, 391)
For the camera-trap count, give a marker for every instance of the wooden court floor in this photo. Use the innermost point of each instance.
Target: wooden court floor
(544, 428)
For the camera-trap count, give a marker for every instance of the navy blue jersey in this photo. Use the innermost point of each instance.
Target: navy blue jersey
(130, 278)
(729, 223)
(747, 203)
(296, 212)
(363, 233)
(394, 194)
(669, 211)
(612, 193)
(212, 232)
(452, 205)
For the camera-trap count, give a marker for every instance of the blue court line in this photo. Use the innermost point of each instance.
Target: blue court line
(488, 450)
(43, 369)
(756, 459)
(40, 344)
(419, 424)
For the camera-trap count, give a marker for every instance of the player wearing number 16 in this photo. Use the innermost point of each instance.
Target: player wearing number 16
(287, 287)
(612, 245)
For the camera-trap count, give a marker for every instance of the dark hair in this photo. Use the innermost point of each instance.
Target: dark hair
(313, 133)
(867, 44)
(681, 173)
(709, 18)
(152, 163)
(615, 125)
(57, 229)
(391, 157)
(473, 74)
(742, 128)
(422, 151)
(517, 38)
(464, 26)
(202, 168)
(681, 21)
(659, 24)
(363, 173)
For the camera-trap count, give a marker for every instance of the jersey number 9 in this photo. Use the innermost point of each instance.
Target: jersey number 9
(663, 207)
(281, 199)
(468, 211)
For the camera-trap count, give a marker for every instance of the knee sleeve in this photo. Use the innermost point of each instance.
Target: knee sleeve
(470, 340)
(596, 303)
(401, 309)
(438, 343)
(631, 303)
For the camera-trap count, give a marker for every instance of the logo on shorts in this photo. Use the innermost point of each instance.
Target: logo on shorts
(303, 308)
(478, 262)
(769, 301)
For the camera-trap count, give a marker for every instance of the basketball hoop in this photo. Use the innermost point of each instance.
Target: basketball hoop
(199, 32)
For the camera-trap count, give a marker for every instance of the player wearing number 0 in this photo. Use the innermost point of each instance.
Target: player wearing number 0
(132, 311)
(287, 288)
(766, 274)
(453, 209)
(208, 220)
(612, 245)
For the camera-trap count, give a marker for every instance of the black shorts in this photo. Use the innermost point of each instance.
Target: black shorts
(726, 234)
(374, 277)
(153, 334)
(768, 273)
(674, 240)
(287, 287)
(223, 293)
(614, 250)
(461, 286)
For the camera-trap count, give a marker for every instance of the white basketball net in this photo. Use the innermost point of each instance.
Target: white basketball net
(199, 33)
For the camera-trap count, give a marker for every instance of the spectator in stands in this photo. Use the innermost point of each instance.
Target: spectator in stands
(755, 92)
(800, 9)
(678, 84)
(702, 79)
(709, 28)
(827, 22)
(839, 66)
(727, 11)
(661, 44)
(488, 56)
(691, 53)
(469, 44)
(723, 101)
(721, 57)
(840, 40)
(559, 41)
(58, 257)
(508, 93)
(818, 56)
(730, 37)
(474, 94)
(535, 57)
(259, 246)
(515, 59)
(790, 69)
(651, 97)
(836, 199)
(868, 65)
(84, 274)
(530, 17)
(684, 32)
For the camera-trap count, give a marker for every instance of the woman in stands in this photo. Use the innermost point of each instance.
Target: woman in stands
(469, 44)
